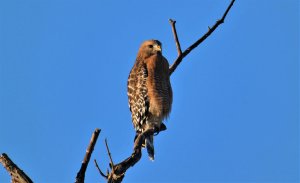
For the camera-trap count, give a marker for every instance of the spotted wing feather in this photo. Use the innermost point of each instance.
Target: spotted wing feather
(138, 95)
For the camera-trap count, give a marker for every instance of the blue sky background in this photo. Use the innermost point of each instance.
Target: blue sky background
(235, 118)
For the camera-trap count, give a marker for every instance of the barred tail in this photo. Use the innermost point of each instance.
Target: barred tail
(150, 147)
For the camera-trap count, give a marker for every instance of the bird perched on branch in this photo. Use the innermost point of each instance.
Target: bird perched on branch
(149, 91)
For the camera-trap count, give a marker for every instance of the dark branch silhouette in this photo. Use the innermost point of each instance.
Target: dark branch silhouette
(172, 22)
(199, 41)
(17, 175)
(81, 174)
(118, 171)
(101, 173)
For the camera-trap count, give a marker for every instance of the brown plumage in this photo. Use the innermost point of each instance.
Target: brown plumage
(149, 91)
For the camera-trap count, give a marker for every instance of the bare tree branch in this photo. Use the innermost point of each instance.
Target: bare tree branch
(109, 154)
(172, 22)
(81, 174)
(17, 175)
(101, 173)
(199, 41)
(118, 171)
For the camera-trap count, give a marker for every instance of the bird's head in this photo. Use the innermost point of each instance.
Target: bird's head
(149, 48)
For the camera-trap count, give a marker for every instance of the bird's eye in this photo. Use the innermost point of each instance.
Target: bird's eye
(150, 46)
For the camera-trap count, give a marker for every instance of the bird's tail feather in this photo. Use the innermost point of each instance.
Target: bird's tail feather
(150, 147)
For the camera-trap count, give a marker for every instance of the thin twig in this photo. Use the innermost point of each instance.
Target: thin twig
(200, 40)
(118, 171)
(109, 154)
(81, 173)
(101, 173)
(172, 22)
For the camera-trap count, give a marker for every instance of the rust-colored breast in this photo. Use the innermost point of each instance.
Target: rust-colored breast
(159, 87)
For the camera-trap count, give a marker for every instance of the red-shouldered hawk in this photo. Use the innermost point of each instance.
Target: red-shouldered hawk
(149, 91)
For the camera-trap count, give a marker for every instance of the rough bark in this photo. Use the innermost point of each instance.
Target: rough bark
(17, 175)
(81, 173)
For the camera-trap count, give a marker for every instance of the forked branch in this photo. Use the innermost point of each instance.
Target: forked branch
(117, 172)
(199, 41)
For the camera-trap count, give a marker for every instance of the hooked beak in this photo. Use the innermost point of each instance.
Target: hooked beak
(157, 47)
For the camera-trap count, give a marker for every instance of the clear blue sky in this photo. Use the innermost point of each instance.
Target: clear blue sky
(235, 118)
